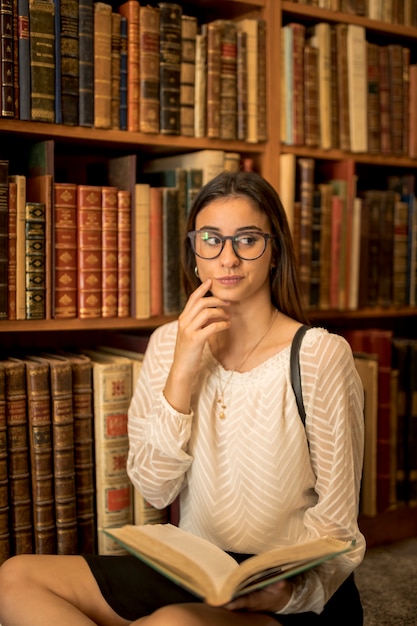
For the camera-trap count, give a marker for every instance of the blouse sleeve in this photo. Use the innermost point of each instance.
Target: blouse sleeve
(333, 397)
(158, 435)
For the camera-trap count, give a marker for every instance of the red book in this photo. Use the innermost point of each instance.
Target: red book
(109, 237)
(89, 250)
(65, 250)
(123, 252)
(11, 252)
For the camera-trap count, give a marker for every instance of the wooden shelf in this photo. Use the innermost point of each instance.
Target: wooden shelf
(75, 324)
(401, 523)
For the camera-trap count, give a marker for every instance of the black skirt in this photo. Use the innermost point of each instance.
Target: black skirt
(133, 590)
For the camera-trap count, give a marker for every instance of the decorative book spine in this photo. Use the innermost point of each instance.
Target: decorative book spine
(109, 252)
(187, 76)
(57, 44)
(24, 59)
(86, 62)
(42, 56)
(213, 31)
(228, 80)
(298, 37)
(149, 86)
(384, 100)
(40, 441)
(18, 457)
(115, 70)
(130, 10)
(262, 126)
(16, 90)
(124, 220)
(374, 125)
(251, 28)
(399, 264)
(334, 101)
(200, 88)
(89, 223)
(102, 65)
(123, 73)
(306, 166)
(65, 207)
(311, 106)
(169, 67)
(4, 495)
(35, 260)
(342, 86)
(11, 252)
(4, 238)
(20, 182)
(242, 85)
(406, 99)
(69, 61)
(6, 68)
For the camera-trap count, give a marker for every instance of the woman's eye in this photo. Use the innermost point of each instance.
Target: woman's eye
(211, 240)
(247, 240)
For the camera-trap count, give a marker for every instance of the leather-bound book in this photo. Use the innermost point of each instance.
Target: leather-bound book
(262, 127)
(86, 62)
(4, 495)
(384, 100)
(395, 65)
(212, 30)
(242, 84)
(311, 90)
(35, 260)
(102, 65)
(41, 456)
(65, 250)
(4, 239)
(6, 68)
(42, 56)
(149, 25)
(187, 77)
(155, 241)
(123, 73)
(374, 123)
(69, 36)
(228, 80)
(170, 67)
(89, 270)
(115, 70)
(124, 282)
(130, 10)
(18, 457)
(200, 86)
(23, 46)
(11, 252)
(109, 252)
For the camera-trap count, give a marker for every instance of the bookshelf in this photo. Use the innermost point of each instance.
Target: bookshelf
(81, 144)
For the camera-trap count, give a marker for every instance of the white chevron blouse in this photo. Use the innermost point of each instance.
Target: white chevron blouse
(257, 478)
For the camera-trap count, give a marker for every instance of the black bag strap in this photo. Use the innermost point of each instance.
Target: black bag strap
(295, 372)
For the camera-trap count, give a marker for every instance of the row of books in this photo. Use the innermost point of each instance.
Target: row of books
(390, 11)
(138, 68)
(99, 250)
(341, 91)
(387, 365)
(355, 249)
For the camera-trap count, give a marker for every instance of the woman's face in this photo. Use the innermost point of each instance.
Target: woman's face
(232, 278)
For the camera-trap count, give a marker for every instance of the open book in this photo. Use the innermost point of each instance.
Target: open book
(208, 571)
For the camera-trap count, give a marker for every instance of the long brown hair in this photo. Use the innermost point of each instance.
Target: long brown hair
(284, 280)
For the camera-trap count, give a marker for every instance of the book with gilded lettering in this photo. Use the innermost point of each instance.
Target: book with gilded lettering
(11, 252)
(124, 249)
(130, 10)
(23, 45)
(169, 68)
(69, 60)
(115, 70)
(149, 82)
(20, 181)
(35, 260)
(65, 250)
(189, 27)
(102, 65)
(212, 32)
(89, 251)
(86, 62)
(109, 243)
(7, 60)
(4, 239)
(42, 60)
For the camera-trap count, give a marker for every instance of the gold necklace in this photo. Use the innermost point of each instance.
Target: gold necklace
(220, 399)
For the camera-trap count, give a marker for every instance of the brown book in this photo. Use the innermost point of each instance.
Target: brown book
(41, 456)
(11, 252)
(386, 247)
(82, 397)
(140, 252)
(124, 278)
(395, 65)
(187, 77)
(102, 65)
(65, 250)
(306, 176)
(62, 417)
(149, 26)
(42, 60)
(155, 240)
(200, 86)
(262, 126)
(20, 182)
(35, 260)
(4, 239)
(39, 189)
(374, 123)
(400, 255)
(4, 483)
(89, 251)
(170, 246)
(18, 457)
(212, 30)
(169, 67)
(242, 84)
(384, 100)
(130, 10)
(311, 104)
(334, 99)
(325, 245)
(319, 37)
(228, 79)
(406, 98)
(412, 122)
(342, 86)
(7, 98)
(115, 70)
(109, 252)
(298, 37)
(69, 61)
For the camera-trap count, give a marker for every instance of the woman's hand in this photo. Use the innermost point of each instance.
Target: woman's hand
(202, 317)
(272, 598)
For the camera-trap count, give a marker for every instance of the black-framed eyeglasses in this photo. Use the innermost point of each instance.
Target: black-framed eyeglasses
(248, 245)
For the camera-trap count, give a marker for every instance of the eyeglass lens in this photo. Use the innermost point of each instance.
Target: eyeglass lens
(248, 245)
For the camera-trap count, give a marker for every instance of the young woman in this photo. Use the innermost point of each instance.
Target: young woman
(214, 421)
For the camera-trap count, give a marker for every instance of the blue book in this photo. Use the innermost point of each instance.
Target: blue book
(24, 60)
(123, 73)
(86, 62)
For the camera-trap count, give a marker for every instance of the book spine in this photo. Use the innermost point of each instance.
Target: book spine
(187, 76)
(4, 238)
(86, 62)
(149, 28)
(200, 88)
(374, 126)
(15, 53)
(123, 73)
(130, 10)
(89, 269)
(65, 249)
(385, 248)
(311, 106)
(298, 37)
(42, 57)
(155, 239)
(242, 84)
(58, 80)
(334, 100)
(253, 29)
(400, 254)
(69, 61)
(40, 441)
(169, 67)
(6, 67)
(228, 80)
(102, 65)
(35, 260)
(213, 31)
(384, 100)
(115, 69)
(306, 167)
(170, 246)
(24, 59)
(406, 99)
(357, 83)
(124, 280)
(11, 252)
(395, 68)
(109, 252)
(20, 245)
(412, 121)
(262, 125)
(140, 252)
(343, 87)
(4, 495)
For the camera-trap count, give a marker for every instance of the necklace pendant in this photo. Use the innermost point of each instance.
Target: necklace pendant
(222, 414)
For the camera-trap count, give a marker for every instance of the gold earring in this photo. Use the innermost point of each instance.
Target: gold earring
(196, 271)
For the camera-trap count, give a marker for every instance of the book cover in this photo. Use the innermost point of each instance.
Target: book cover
(400, 254)
(306, 178)
(35, 227)
(358, 88)
(141, 225)
(102, 65)
(20, 181)
(200, 86)
(373, 104)
(189, 27)
(42, 60)
(169, 68)
(69, 61)
(57, 43)
(212, 32)
(65, 250)
(149, 55)
(124, 252)
(155, 254)
(384, 100)
(123, 73)
(4, 495)
(24, 59)
(86, 62)
(109, 245)
(228, 80)
(116, 19)
(130, 11)
(242, 84)
(311, 90)
(319, 37)
(4, 236)
(255, 103)
(212, 574)
(7, 60)
(342, 86)
(11, 252)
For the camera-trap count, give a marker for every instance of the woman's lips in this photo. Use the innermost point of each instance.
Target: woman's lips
(229, 281)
